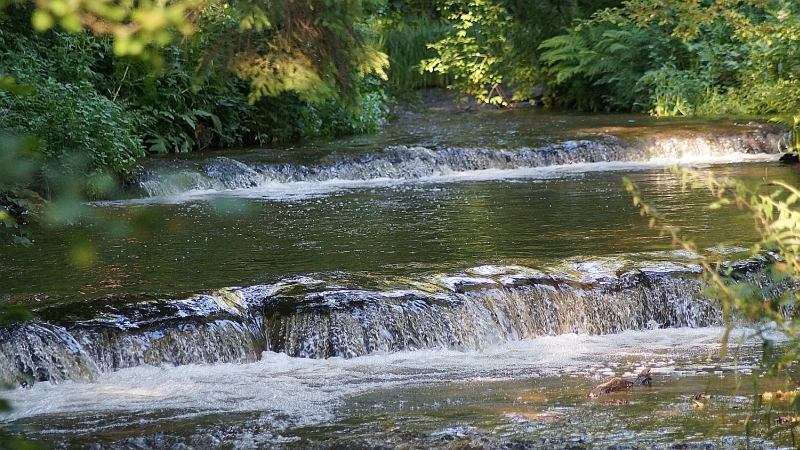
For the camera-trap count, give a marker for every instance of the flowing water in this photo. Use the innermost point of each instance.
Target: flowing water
(455, 281)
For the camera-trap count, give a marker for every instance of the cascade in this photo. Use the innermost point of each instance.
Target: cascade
(415, 162)
(312, 318)
(34, 352)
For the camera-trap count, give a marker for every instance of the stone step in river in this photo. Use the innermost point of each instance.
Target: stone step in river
(315, 318)
(653, 146)
(285, 297)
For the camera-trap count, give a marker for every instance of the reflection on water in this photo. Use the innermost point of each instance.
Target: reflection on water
(384, 229)
(495, 129)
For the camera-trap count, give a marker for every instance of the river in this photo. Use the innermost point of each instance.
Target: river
(458, 280)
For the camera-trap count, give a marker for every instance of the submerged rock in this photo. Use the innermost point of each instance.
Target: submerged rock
(619, 385)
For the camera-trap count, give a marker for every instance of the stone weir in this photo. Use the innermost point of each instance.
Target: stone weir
(410, 163)
(314, 318)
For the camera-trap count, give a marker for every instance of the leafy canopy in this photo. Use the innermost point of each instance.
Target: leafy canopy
(316, 48)
(134, 24)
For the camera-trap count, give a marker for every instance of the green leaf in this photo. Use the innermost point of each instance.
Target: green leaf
(189, 120)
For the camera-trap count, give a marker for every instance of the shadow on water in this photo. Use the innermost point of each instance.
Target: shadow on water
(409, 229)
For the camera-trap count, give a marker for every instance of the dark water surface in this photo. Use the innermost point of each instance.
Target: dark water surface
(498, 129)
(389, 228)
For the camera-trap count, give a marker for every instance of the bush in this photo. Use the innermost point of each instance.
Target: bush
(332, 118)
(682, 58)
(79, 130)
(601, 67)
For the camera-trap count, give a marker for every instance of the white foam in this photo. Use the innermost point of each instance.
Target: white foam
(296, 190)
(308, 390)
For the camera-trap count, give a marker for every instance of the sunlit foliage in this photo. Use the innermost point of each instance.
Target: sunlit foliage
(700, 57)
(476, 54)
(313, 48)
(134, 25)
(490, 47)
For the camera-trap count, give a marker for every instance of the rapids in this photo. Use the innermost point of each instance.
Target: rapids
(456, 281)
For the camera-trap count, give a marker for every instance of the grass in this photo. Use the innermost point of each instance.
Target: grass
(406, 46)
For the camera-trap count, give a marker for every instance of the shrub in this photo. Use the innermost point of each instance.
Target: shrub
(680, 58)
(332, 118)
(81, 131)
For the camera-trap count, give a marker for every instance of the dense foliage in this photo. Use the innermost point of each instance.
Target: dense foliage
(476, 51)
(192, 97)
(489, 47)
(88, 108)
(668, 57)
(475, 47)
(682, 58)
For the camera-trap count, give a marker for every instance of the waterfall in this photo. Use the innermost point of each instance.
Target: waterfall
(34, 352)
(349, 323)
(310, 318)
(411, 163)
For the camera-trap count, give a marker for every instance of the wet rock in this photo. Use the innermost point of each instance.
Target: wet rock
(615, 385)
(699, 400)
(790, 158)
(33, 352)
(232, 174)
(779, 395)
(619, 385)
